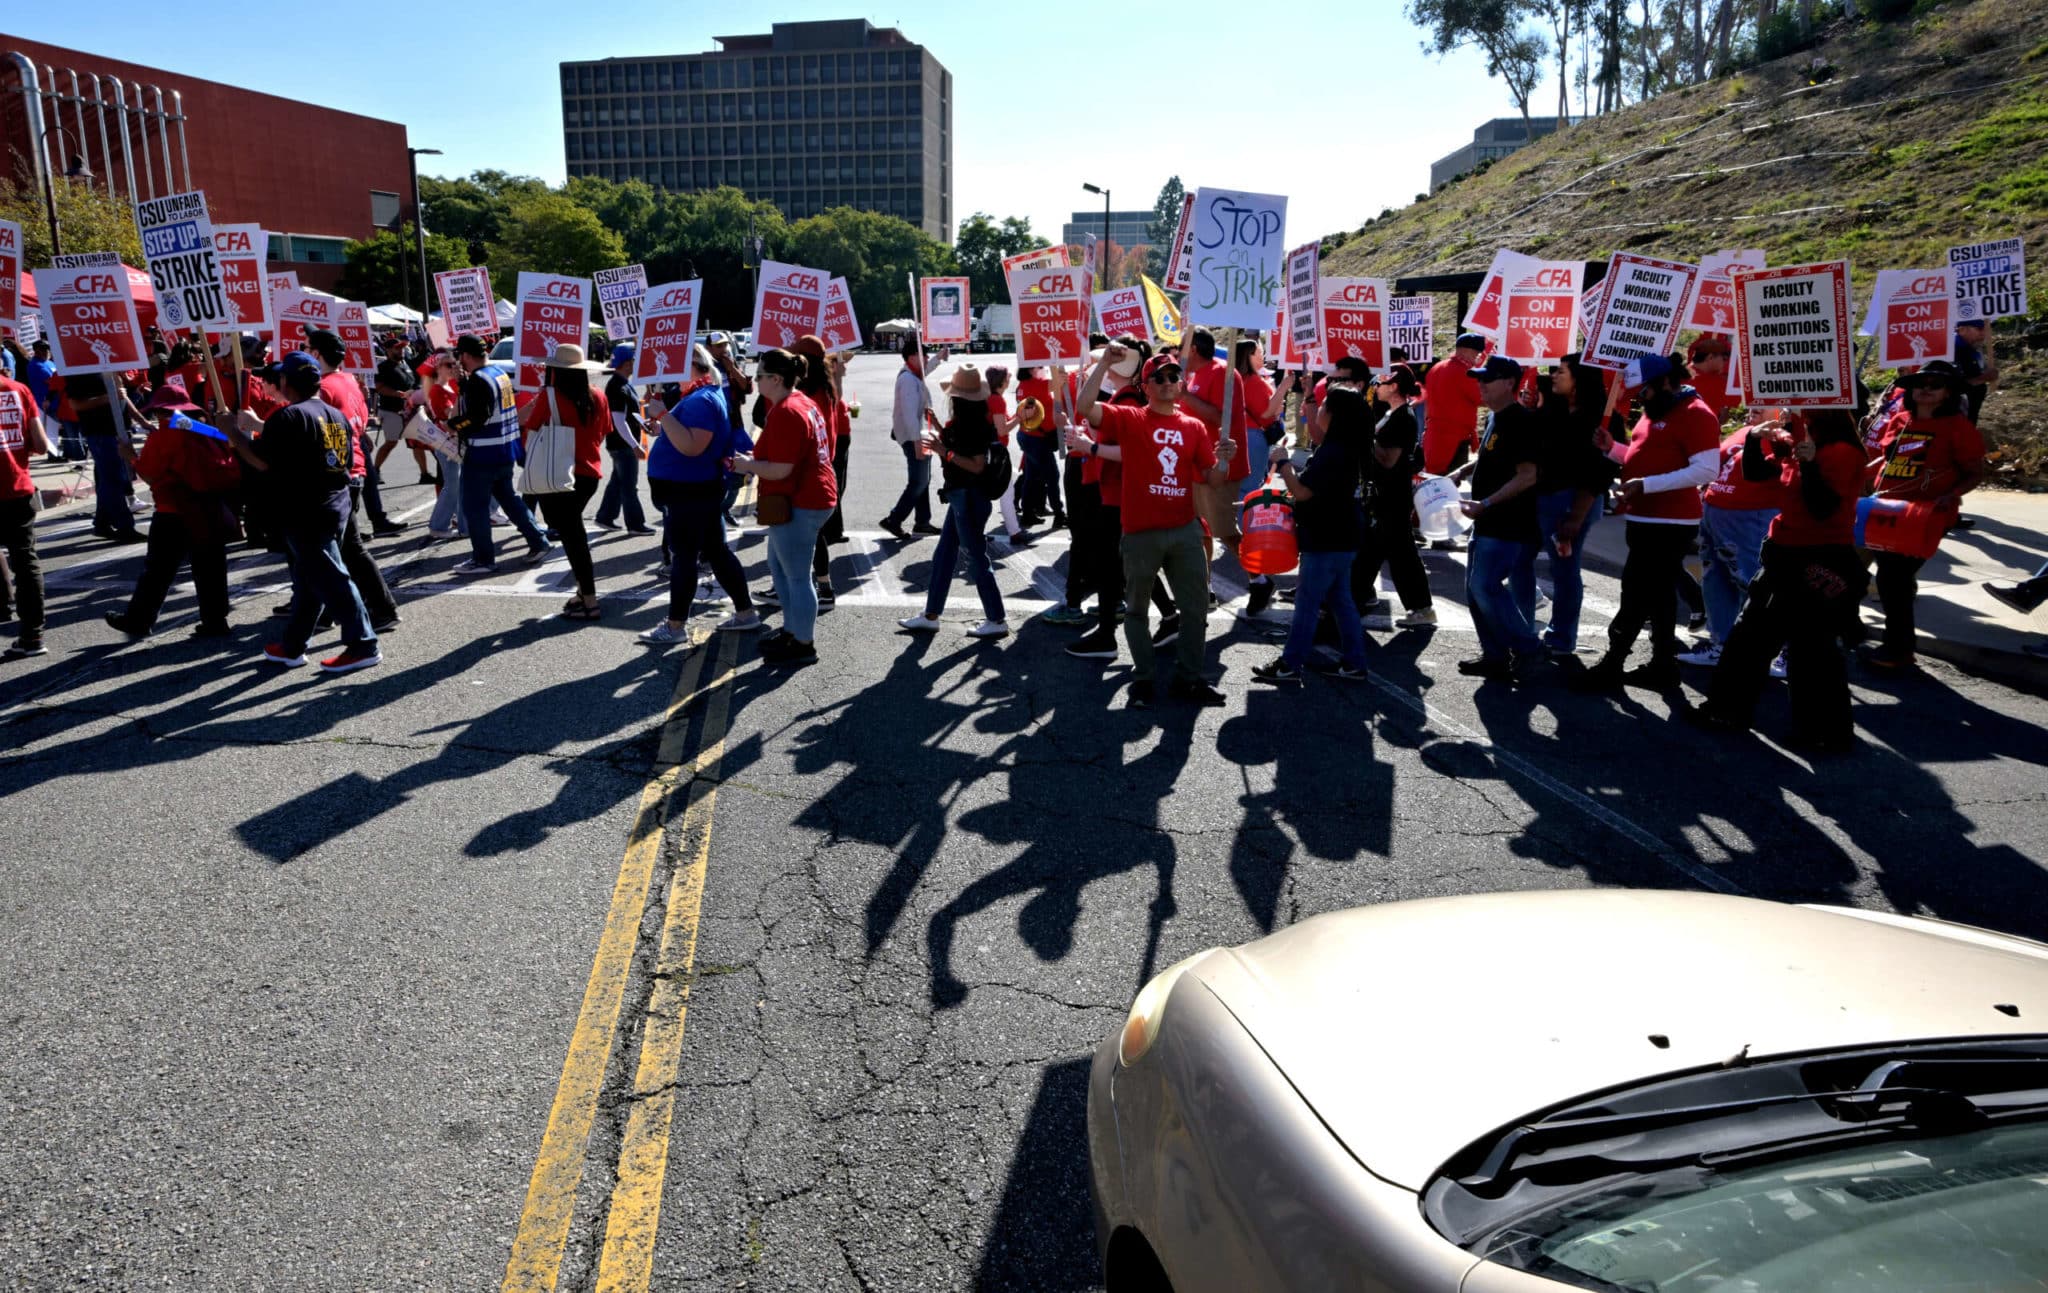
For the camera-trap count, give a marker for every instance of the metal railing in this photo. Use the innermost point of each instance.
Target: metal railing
(124, 117)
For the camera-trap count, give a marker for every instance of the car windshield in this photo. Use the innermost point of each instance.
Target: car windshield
(1968, 1210)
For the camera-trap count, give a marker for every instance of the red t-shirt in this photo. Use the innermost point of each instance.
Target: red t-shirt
(1258, 397)
(998, 409)
(1923, 460)
(1737, 493)
(798, 433)
(1105, 475)
(1164, 454)
(1713, 388)
(1659, 447)
(345, 393)
(590, 431)
(1841, 466)
(1205, 382)
(61, 394)
(1453, 400)
(17, 406)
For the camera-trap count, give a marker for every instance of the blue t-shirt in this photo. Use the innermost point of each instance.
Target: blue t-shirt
(705, 410)
(40, 371)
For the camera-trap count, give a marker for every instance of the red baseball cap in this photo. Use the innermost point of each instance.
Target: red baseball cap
(1167, 359)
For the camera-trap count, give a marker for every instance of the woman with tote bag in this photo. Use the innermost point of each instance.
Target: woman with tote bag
(566, 425)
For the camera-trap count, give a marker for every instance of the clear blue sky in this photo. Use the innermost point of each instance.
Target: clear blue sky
(1329, 102)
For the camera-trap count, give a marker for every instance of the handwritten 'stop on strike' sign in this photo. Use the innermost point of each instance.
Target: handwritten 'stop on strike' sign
(1239, 249)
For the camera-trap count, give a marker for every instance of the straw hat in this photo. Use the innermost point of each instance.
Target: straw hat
(967, 383)
(570, 355)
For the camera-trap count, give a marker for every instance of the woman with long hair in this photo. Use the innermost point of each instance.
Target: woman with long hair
(1000, 417)
(966, 447)
(792, 461)
(566, 398)
(1389, 464)
(1572, 486)
(822, 383)
(1326, 526)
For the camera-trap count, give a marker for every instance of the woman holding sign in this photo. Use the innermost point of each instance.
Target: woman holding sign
(567, 400)
(967, 448)
(1932, 455)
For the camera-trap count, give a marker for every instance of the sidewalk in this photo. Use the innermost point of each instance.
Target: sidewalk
(1957, 620)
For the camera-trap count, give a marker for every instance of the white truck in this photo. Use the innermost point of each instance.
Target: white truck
(995, 329)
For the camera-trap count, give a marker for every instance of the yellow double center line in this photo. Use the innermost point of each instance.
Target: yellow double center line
(626, 1262)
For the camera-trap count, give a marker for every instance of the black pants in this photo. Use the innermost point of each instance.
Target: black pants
(373, 483)
(1649, 589)
(1390, 541)
(1898, 583)
(362, 571)
(694, 529)
(834, 529)
(1084, 504)
(1039, 490)
(18, 537)
(564, 515)
(171, 545)
(1800, 601)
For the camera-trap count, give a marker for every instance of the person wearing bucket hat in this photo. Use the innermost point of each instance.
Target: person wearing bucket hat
(624, 446)
(192, 472)
(966, 447)
(1931, 454)
(566, 399)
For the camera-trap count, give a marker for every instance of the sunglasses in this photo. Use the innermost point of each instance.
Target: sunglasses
(1165, 378)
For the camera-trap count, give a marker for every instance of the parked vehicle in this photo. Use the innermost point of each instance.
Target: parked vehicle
(995, 329)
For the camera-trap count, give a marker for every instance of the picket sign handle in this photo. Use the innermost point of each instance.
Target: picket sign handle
(212, 373)
(235, 354)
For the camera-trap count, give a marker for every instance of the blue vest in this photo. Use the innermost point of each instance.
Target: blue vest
(496, 442)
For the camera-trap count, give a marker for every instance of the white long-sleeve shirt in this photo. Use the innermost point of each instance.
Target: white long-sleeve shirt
(906, 425)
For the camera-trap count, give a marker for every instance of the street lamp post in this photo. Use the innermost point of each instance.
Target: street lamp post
(419, 228)
(77, 170)
(1102, 259)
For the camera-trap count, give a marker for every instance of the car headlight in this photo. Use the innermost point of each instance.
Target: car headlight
(1148, 1012)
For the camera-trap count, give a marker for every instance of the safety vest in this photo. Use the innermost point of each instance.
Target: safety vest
(496, 442)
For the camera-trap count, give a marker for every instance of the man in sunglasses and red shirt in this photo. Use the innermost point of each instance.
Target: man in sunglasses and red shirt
(1164, 454)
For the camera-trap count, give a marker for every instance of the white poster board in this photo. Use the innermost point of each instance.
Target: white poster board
(1239, 256)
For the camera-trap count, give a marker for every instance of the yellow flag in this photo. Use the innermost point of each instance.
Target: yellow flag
(1165, 319)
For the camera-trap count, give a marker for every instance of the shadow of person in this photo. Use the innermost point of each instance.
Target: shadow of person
(1041, 1239)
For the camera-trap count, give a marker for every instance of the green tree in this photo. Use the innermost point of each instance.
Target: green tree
(373, 274)
(87, 217)
(1165, 219)
(627, 209)
(477, 209)
(874, 253)
(1494, 28)
(704, 235)
(980, 247)
(549, 234)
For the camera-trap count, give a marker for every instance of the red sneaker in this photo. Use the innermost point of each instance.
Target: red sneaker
(276, 654)
(352, 659)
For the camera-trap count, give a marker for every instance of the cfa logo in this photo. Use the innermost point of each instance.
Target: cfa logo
(1054, 284)
(94, 283)
(231, 240)
(673, 299)
(1932, 286)
(562, 289)
(316, 309)
(1553, 278)
(800, 281)
(1124, 298)
(1359, 294)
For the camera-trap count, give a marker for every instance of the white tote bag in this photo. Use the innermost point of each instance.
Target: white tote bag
(550, 456)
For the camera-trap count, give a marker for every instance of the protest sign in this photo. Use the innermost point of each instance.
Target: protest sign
(10, 278)
(668, 327)
(1283, 350)
(1540, 311)
(1912, 314)
(352, 325)
(1712, 308)
(1165, 319)
(553, 310)
(1589, 308)
(29, 328)
(1238, 255)
(1488, 307)
(837, 327)
(88, 314)
(1304, 296)
(1640, 310)
(788, 305)
(238, 253)
(298, 311)
(1180, 257)
(1990, 279)
(1122, 312)
(466, 302)
(1052, 315)
(1411, 328)
(942, 309)
(1354, 319)
(1792, 336)
(618, 297)
(177, 243)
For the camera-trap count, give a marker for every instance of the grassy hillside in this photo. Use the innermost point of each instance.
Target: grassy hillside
(1886, 146)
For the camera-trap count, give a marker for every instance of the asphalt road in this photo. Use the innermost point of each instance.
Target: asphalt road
(293, 964)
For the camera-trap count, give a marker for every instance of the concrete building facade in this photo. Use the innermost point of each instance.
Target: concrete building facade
(1495, 139)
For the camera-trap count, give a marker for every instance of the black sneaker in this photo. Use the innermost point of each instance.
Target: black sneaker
(894, 529)
(385, 625)
(825, 595)
(1142, 696)
(2013, 596)
(385, 529)
(792, 652)
(925, 527)
(220, 630)
(767, 597)
(1602, 678)
(1659, 675)
(24, 647)
(1167, 633)
(1278, 672)
(1337, 669)
(1492, 667)
(1099, 645)
(1196, 693)
(1261, 597)
(120, 621)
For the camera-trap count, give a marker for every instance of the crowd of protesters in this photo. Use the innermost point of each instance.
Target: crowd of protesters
(1145, 456)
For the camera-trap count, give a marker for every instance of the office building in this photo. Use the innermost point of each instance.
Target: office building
(140, 132)
(810, 115)
(1126, 228)
(1495, 139)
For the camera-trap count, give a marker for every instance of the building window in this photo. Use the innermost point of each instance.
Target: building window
(307, 249)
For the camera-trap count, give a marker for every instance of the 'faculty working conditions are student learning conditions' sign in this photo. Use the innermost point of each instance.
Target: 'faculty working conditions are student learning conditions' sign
(1792, 337)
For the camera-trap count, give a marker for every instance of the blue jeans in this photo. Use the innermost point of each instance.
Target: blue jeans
(1325, 578)
(320, 579)
(917, 493)
(1489, 566)
(1255, 448)
(1039, 490)
(1731, 554)
(448, 503)
(789, 565)
(70, 441)
(966, 532)
(623, 489)
(1567, 583)
(109, 485)
(479, 486)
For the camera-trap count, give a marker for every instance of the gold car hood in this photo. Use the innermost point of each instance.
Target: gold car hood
(1415, 1028)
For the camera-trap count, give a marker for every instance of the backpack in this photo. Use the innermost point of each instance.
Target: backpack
(995, 472)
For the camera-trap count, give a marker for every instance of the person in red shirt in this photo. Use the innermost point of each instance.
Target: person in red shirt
(1735, 515)
(1203, 396)
(1095, 563)
(1674, 450)
(344, 394)
(792, 460)
(1806, 593)
(21, 439)
(822, 383)
(1163, 454)
(1932, 455)
(567, 399)
(192, 471)
(1708, 359)
(1450, 434)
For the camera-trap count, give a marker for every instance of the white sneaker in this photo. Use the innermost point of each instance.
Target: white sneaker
(744, 622)
(987, 629)
(1778, 666)
(1422, 619)
(443, 534)
(919, 624)
(1707, 656)
(663, 635)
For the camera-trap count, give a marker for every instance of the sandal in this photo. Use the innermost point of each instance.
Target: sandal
(577, 609)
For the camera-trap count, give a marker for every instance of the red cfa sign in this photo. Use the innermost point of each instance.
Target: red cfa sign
(1490, 306)
(789, 305)
(668, 325)
(553, 310)
(1355, 319)
(1918, 324)
(89, 314)
(1712, 308)
(837, 326)
(1123, 314)
(238, 252)
(300, 312)
(10, 276)
(1052, 315)
(1541, 313)
(352, 325)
